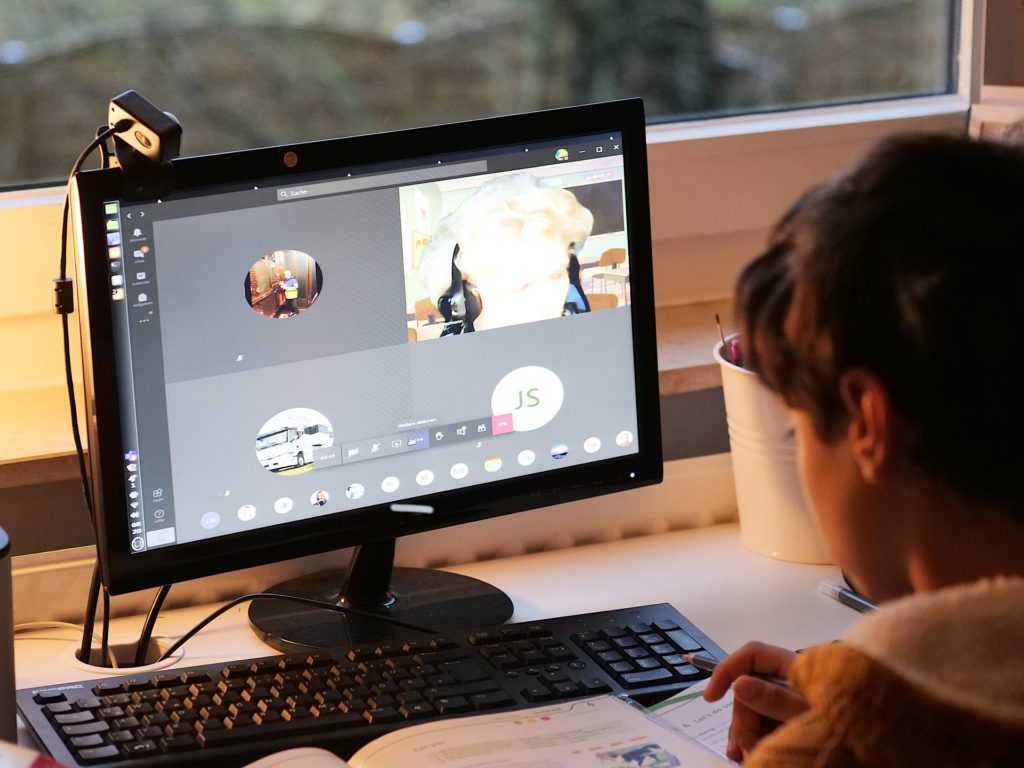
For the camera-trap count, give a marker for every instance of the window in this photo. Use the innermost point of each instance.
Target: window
(242, 73)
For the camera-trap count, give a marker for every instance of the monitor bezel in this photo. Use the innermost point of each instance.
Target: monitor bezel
(124, 571)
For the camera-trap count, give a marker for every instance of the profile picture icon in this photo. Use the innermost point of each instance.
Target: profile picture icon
(292, 441)
(319, 498)
(283, 284)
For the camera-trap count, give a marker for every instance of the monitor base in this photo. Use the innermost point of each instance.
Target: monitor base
(436, 600)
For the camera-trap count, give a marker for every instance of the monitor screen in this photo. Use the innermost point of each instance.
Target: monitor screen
(297, 349)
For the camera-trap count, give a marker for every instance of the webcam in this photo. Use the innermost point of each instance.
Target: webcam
(153, 134)
(145, 142)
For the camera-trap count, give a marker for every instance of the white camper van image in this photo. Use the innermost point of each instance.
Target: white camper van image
(292, 446)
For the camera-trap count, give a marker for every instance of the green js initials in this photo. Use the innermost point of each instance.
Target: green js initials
(532, 401)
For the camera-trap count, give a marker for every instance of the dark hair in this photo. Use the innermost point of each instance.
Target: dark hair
(910, 265)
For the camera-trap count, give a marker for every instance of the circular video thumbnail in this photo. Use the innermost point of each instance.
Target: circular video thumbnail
(291, 442)
(532, 395)
(283, 284)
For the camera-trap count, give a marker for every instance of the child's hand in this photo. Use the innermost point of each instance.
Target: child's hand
(759, 706)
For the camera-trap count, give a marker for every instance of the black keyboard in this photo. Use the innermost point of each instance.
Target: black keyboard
(230, 714)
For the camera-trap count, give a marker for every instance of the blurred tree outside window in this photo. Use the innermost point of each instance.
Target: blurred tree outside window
(246, 73)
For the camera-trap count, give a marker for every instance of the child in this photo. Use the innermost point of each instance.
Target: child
(888, 313)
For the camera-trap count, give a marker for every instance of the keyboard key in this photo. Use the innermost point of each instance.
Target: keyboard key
(452, 705)
(559, 652)
(485, 638)
(84, 729)
(464, 670)
(241, 670)
(550, 678)
(57, 708)
(503, 661)
(165, 681)
(566, 689)
(152, 732)
(361, 654)
(683, 641)
(515, 633)
(645, 677)
(491, 700)
(537, 692)
(74, 717)
(532, 657)
(175, 744)
(138, 748)
(97, 754)
(689, 672)
(442, 644)
(382, 715)
(49, 697)
(594, 685)
(92, 740)
(416, 711)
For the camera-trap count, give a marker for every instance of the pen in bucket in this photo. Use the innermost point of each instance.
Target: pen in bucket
(730, 348)
(726, 350)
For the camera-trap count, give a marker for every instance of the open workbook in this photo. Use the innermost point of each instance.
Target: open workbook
(598, 732)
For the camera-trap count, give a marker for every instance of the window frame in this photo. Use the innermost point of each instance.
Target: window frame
(740, 172)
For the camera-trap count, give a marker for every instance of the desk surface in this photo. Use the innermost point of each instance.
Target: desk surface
(731, 593)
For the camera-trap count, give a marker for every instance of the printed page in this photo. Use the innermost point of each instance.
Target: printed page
(300, 757)
(688, 714)
(586, 733)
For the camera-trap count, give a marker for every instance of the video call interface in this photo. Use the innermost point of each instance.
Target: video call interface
(314, 348)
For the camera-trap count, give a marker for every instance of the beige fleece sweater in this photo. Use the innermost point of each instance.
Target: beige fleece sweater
(929, 681)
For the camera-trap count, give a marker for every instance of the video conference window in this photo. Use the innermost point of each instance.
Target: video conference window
(492, 251)
(283, 284)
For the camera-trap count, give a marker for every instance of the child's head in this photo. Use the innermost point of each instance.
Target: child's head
(910, 267)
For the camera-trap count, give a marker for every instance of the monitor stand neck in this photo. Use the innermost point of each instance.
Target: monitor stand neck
(437, 601)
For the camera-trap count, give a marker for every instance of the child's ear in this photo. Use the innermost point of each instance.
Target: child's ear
(870, 429)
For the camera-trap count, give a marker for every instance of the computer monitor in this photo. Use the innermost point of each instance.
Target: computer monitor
(304, 348)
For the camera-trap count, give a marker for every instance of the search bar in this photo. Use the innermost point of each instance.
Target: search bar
(381, 180)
